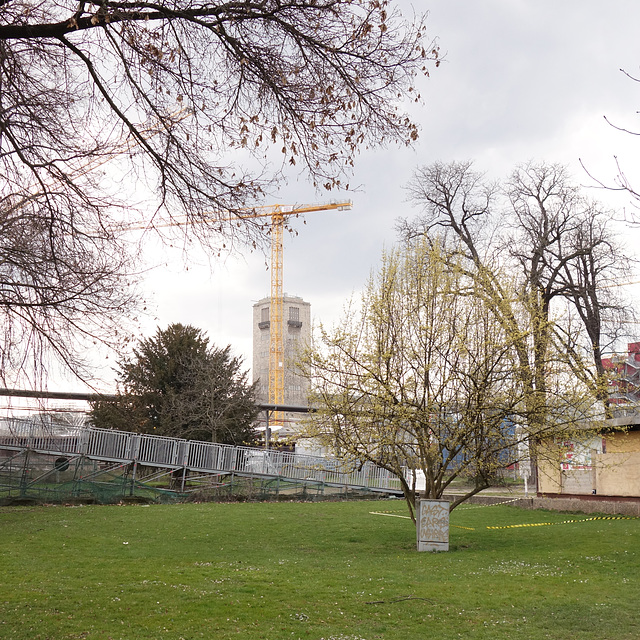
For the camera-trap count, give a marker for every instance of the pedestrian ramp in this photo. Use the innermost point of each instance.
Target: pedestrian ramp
(188, 463)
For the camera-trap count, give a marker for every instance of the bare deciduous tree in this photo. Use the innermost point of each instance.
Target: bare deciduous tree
(559, 246)
(313, 79)
(566, 249)
(66, 281)
(203, 104)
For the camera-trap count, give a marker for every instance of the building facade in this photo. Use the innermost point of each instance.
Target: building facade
(604, 466)
(624, 384)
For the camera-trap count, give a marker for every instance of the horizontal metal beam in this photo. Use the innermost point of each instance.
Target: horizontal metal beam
(110, 397)
(56, 395)
(291, 408)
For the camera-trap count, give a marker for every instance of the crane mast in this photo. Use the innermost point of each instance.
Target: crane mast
(276, 302)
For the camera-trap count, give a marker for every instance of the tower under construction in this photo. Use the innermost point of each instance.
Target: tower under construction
(290, 387)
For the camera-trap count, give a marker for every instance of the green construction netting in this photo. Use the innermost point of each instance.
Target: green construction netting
(30, 477)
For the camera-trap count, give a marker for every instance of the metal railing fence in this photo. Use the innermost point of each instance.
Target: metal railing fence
(203, 457)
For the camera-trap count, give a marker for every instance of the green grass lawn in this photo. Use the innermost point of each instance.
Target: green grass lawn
(311, 571)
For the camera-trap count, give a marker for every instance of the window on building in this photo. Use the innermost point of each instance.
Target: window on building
(264, 314)
(294, 313)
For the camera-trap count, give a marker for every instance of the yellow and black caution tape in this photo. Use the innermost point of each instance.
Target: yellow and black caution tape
(545, 524)
(467, 507)
(388, 513)
(392, 514)
(396, 514)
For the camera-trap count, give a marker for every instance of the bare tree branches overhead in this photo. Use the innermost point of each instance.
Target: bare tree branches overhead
(201, 105)
(623, 181)
(557, 244)
(314, 80)
(62, 286)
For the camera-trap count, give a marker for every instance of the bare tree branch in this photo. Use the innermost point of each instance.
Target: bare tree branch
(204, 105)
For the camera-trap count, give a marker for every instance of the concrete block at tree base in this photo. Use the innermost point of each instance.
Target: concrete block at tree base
(432, 525)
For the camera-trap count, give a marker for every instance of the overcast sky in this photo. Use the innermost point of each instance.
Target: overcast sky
(522, 80)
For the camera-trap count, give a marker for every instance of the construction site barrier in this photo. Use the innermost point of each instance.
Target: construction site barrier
(112, 446)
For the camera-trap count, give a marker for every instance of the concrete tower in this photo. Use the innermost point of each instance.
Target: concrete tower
(296, 326)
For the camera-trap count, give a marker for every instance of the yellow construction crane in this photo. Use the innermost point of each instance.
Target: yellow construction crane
(278, 213)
